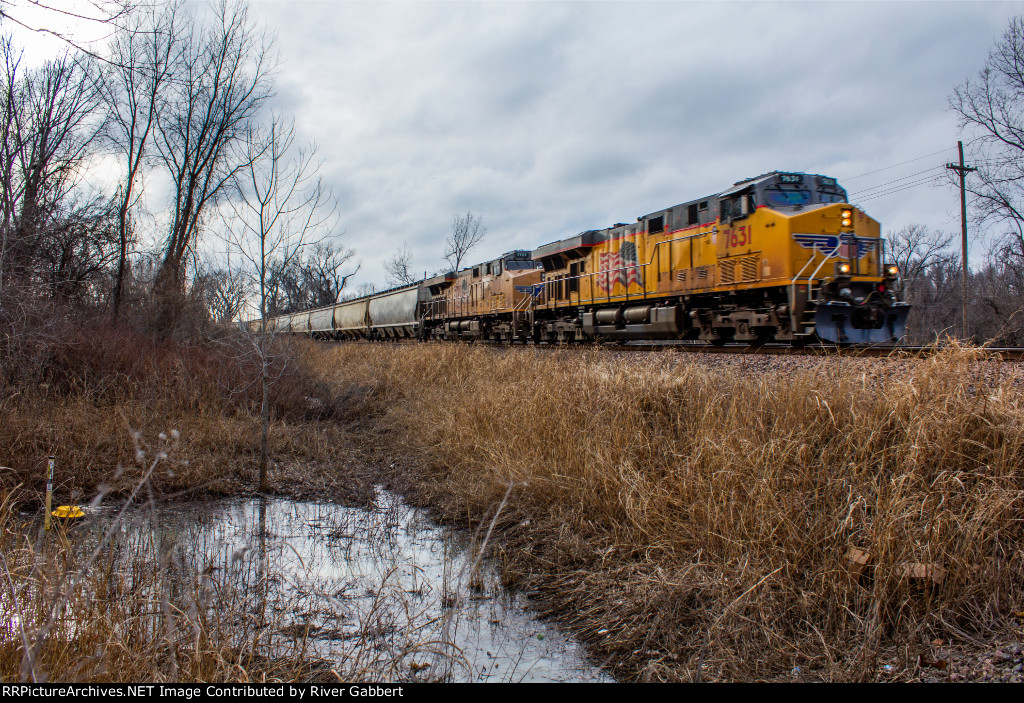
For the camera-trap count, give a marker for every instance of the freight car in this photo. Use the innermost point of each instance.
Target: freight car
(780, 257)
(392, 314)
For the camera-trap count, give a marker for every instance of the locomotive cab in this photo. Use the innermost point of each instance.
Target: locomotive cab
(851, 288)
(484, 301)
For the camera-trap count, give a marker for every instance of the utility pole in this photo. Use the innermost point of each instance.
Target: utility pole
(963, 171)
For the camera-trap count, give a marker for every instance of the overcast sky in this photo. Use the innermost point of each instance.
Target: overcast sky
(548, 118)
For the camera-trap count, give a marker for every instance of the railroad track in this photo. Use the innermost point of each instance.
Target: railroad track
(894, 351)
(877, 351)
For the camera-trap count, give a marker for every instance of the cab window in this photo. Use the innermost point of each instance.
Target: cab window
(787, 198)
(831, 197)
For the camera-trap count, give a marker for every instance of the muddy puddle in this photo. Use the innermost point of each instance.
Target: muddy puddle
(382, 589)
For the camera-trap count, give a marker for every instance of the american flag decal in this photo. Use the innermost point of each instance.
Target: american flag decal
(621, 267)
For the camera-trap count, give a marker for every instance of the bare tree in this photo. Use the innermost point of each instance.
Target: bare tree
(282, 208)
(96, 12)
(467, 232)
(10, 148)
(915, 248)
(220, 87)
(224, 293)
(362, 290)
(991, 108)
(50, 123)
(928, 272)
(143, 56)
(313, 279)
(323, 273)
(73, 259)
(398, 267)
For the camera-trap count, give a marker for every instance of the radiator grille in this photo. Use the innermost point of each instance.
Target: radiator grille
(741, 269)
(699, 276)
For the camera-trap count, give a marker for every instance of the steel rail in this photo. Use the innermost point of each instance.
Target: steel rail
(893, 351)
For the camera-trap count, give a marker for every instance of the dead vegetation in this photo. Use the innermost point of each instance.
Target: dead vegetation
(95, 397)
(133, 420)
(693, 523)
(688, 520)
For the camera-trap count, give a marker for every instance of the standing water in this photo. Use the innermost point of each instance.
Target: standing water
(382, 588)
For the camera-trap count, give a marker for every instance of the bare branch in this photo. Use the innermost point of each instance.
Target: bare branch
(990, 108)
(282, 207)
(399, 266)
(223, 79)
(144, 53)
(49, 123)
(467, 232)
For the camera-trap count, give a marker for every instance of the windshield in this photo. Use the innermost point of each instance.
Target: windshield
(839, 197)
(515, 264)
(787, 198)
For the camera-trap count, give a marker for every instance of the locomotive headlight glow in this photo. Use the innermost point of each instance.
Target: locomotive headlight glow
(847, 222)
(843, 269)
(847, 214)
(891, 270)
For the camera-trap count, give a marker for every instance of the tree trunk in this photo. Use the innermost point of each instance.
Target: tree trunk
(265, 413)
(122, 256)
(169, 297)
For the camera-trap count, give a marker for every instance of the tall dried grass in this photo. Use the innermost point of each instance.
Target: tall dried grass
(694, 523)
(92, 396)
(128, 415)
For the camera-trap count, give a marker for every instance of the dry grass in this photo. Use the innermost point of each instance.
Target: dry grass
(130, 417)
(693, 523)
(97, 397)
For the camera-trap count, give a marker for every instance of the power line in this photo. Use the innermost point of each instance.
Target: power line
(938, 178)
(902, 163)
(896, 180)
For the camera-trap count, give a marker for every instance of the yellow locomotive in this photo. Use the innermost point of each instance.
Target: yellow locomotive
(779, 257)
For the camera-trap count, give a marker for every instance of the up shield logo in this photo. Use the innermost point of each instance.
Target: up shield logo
(846, 246)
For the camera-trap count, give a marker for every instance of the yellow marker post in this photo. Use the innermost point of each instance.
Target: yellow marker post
(49, 495)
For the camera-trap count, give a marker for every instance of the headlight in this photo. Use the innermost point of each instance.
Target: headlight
(843, 269)
(891, 271)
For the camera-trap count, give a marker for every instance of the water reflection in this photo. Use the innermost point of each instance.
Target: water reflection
(383, 590)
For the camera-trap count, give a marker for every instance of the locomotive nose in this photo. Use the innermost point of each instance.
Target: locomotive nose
(854, 322)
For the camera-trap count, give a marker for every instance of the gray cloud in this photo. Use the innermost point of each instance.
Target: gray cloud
(550, 118)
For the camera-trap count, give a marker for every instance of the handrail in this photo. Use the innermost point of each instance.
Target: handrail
(654, 251)
(808, 263)
(521, 307)
(607, 273)
(528, 298)
(823, 261)
(810, 279)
